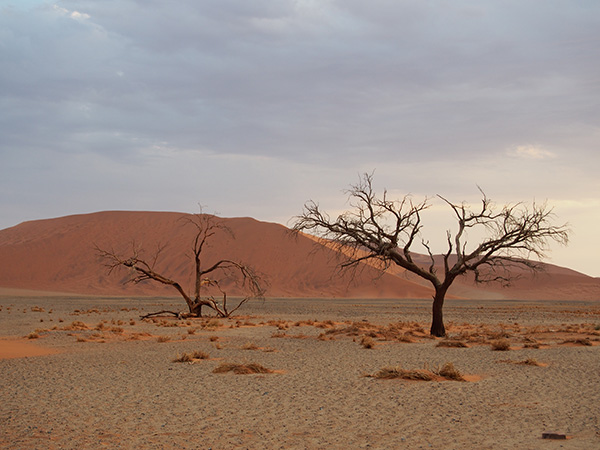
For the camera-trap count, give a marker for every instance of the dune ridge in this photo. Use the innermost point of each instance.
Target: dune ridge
(58, 255)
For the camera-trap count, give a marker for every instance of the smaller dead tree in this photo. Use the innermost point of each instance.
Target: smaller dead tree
(385, 231)
(207, 290)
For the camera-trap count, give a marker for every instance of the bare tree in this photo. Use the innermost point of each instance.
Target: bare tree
(385, 231)
(207, 290)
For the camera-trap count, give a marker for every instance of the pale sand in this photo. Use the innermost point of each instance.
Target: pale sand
(129, 394)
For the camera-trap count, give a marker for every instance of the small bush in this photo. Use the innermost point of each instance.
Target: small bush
(33, 335)
(452, 344)
(501, 345)
(529, 362)
(76, 325)
(163, 339)
(191, 357)
(367, 342)
(389, 373)
(449, 372)
(250, 346)
(242, 369)
(579, 341)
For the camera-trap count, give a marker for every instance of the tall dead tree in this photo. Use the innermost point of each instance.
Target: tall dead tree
(207, 290)
(385, 231)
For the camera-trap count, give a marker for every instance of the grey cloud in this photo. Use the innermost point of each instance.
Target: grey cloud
(343, 85)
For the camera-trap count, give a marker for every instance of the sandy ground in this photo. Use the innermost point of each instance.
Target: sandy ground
(96, 376)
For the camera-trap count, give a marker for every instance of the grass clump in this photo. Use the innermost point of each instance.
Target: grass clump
(500, 345)
(578, 341)
(250, 346)
(449, 372)
(449, 343)
(367, 342)
(390, 373)
(446, 372)
(163, 339)
(529, 362)
(194, 356)
(242, 369)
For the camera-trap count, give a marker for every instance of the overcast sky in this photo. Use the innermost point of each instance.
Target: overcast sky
(251, 108)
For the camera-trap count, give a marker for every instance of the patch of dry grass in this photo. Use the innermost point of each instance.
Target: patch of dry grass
(500, 345)
(367, 342)
(196, 355)
(445, 372)
(529, 362)
(450, 343)
(242, 369)
(389, 373)
(578, 341)
(449, 372)
(250, 346)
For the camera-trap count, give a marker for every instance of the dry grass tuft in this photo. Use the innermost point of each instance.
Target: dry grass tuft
(389, 373)
(191, 357)
(33, 335)
(76, 325)
(367, 342)
(163, 339)
(212, 324)
(529, 362)
(449, 343)
(446, 372)
(500, 345)
(578, 341)
(449, 372)
(250, 346)
(242, 369)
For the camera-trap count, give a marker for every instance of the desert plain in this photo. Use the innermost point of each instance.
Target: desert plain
(85, 372)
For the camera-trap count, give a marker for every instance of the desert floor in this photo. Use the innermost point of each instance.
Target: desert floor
(88, 373)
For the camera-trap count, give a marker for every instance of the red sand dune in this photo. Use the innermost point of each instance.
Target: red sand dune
(58, 255)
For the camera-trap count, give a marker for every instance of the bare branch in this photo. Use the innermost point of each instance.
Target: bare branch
(206, 228)
(385, 230)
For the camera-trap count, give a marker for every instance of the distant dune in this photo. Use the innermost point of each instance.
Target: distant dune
(58, 255)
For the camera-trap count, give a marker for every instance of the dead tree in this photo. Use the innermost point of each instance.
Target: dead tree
(384, 231)
(207, 290)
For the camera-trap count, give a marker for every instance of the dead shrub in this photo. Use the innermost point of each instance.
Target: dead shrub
(242, 369)
(389, 373)
(76, 325)
(500, 345)
(33, 335)
(367, 342)
(163, 339)
(449, 343)
(196, 355)
(250, 346)
(212, 324)
(529, 362)
(449, 372)
(578, 341)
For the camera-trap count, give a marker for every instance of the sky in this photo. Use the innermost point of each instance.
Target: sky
(254, 108)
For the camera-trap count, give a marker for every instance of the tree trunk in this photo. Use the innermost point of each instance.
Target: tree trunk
(437, 323)
(196, 309)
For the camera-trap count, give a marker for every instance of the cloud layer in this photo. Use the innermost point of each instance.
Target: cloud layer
(251, 108)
